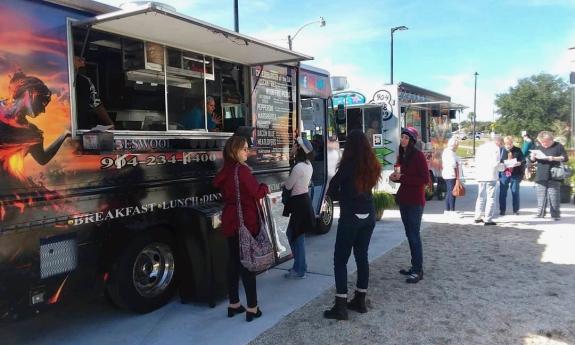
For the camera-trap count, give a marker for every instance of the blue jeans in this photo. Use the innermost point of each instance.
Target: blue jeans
(352, 232)
(298, 249)
(509, 182)
(449, 198)
(411, 218)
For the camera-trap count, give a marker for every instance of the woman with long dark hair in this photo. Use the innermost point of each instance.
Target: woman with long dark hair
(413, 175)
(235, 156)
(358, 172)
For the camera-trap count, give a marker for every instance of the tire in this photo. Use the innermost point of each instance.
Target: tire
(565, 192)
(142, 277)
(325, 220)
(429, 191)
(441, 189)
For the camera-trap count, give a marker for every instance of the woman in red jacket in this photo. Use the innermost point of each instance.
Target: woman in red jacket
(413, 176)
(235, 155)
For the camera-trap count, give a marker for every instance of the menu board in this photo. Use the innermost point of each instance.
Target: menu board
(273, 110)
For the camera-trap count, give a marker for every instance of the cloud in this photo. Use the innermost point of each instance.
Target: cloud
(331, 46)
(564, 63)
(540, 3)
(460, 87)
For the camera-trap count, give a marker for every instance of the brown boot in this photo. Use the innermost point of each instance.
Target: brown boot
(358, 303)
(338, 311)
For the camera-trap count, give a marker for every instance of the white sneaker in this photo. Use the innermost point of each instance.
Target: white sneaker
(452, 214)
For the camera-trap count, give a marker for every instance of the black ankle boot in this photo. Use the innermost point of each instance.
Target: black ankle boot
(338, 311)
(358, 303)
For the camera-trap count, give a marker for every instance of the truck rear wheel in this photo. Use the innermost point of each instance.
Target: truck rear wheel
(325, 219)
(441, 189)
(429, 191)
(142, 278)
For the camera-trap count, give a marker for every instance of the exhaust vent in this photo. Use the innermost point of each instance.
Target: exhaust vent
(132, 4)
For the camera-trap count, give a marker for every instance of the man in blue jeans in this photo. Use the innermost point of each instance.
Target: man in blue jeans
(511, 177)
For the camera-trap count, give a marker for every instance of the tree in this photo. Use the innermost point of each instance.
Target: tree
(535, 104)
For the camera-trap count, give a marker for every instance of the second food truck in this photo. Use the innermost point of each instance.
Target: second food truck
(391, 108)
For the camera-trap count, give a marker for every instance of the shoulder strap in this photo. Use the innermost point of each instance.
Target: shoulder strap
(238, 199)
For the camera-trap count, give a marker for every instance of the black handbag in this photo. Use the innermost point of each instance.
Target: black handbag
(286, 194)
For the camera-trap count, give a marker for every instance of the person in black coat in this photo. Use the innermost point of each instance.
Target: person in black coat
(548, 190)
(511, 177)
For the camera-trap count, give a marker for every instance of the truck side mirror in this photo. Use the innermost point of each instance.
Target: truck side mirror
(340, 116)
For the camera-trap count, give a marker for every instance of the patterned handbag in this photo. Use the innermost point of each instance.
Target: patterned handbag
(561, 172)
(256, 253)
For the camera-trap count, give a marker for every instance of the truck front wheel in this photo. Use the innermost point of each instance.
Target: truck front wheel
(142, 278)
(325, 219)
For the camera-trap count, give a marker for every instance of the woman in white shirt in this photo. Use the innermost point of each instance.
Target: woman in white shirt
(450, 173)
(302, 217)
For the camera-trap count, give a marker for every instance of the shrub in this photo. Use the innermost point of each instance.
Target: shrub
(382, 201)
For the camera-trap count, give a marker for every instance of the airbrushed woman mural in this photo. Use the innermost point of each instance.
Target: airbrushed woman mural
(30, 96)
(34, 108)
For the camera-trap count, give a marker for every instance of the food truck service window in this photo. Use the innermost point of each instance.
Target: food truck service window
(111, 85)
(373, 125)
(133, 85)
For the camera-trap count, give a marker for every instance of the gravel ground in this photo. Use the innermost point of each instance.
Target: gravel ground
(482, 285)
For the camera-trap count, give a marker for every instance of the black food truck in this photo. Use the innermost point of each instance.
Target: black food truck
(112, 124)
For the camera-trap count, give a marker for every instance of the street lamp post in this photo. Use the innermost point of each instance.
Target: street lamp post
(321, 22)
(474, 110)
(394, 29)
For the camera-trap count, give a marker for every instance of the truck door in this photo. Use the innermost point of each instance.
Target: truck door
(313, 114)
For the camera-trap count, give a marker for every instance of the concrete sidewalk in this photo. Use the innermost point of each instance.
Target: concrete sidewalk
(97, 323)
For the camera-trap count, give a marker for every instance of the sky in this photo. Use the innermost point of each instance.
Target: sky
(446, 43)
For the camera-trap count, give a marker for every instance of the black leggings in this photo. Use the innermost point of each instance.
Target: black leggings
(235, 269)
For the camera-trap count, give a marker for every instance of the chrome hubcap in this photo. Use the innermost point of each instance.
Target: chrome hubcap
(327, 213)
(153, 270)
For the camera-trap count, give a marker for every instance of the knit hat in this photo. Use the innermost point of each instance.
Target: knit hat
(410, 132)
(452, 142)
(304, 144)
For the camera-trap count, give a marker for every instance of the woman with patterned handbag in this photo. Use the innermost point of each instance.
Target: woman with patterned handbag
(235, 156)
(450, 174)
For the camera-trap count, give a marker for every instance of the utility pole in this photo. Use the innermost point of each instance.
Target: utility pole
(236, 17)
(572, 129)
(474, 110)
(572, 117)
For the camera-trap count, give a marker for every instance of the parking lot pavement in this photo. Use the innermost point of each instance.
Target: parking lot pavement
(95, 322)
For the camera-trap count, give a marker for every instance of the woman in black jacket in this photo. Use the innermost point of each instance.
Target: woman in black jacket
(358, 172)
(548, 190)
